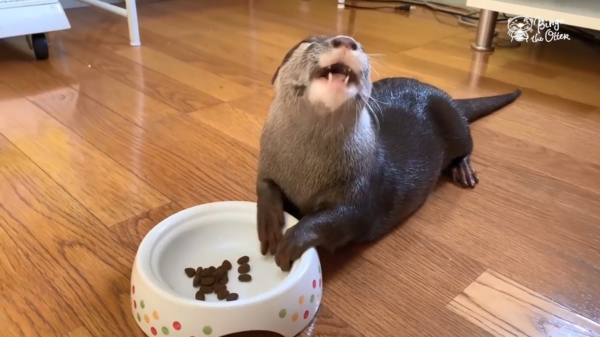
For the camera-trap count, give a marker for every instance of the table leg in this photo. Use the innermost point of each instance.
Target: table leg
(485, 31)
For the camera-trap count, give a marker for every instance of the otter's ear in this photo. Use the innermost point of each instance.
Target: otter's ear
(286, 58)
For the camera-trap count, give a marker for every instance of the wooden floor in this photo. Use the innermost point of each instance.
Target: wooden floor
(103, 141)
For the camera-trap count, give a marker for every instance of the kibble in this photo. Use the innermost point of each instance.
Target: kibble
(226, 264)
(214, 279)
(200, 295)
(232, 297)
(207, 281)
(206, 289)
(190, 272)
(245, 278)
(220, 273)
(196, 281)
(244, 269)
(221, 295)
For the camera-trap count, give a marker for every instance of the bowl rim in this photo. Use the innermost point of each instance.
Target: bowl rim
(152, 238)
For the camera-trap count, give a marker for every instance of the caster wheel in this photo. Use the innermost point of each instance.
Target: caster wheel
(40, 46)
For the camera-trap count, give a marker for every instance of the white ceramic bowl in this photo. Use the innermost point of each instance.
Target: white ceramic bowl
(162, 296)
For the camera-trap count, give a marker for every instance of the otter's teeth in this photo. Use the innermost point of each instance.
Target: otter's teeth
(346, 79)
(330, 78)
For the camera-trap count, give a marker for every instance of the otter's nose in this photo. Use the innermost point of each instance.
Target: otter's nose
(345, 42)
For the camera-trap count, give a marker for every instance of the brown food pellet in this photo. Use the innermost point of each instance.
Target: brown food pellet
(198, 270)
(220, 287)
(226, 264)
(196, 282)
(224, 280)
(222, 294)
(245, 278)
(231, 297)
(200, 295)
(205, 272)
(206, 289)
(243, 259)
(212, 270)
(190, 272)
(244, 269)
(207, 281)
(220, 273)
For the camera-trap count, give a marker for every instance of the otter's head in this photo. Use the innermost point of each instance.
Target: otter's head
(329, 72)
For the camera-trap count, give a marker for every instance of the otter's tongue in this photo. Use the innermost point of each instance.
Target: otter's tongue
(337, 77)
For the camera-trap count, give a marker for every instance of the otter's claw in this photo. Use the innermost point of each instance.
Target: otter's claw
(463, 173)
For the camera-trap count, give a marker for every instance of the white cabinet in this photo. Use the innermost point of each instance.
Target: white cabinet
(32, 19)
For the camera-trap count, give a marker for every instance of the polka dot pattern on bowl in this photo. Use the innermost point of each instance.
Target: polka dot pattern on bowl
(316, 285)
(151, 318)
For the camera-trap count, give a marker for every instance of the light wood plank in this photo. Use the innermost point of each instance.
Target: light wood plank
(195, 77)
(505, 308)
(61, 268)
(110, 191)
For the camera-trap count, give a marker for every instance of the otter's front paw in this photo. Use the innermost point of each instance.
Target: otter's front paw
(294, 243)
(270, 226)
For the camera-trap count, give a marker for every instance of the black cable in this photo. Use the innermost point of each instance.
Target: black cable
(403, 8)
(583, 35)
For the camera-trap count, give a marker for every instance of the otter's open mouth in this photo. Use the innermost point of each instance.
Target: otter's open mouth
(338, 72)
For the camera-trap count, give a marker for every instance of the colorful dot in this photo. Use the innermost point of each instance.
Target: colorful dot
(139, 318)
(295, 317)
(146, 318)
(306, 314)
(312, 298)
(207, 330)
(176, 325)
(134, 304)
(142, 304)
(155, 315)
(282, 313)
(154, 332)
(319, 269)
(314, 284)
(301, 300)
(165, 330)
(320, 283)
(133, 289)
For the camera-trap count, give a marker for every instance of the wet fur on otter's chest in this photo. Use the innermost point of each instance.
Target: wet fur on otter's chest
(315, 164)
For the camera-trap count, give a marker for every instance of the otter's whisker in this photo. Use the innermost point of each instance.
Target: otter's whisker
(372, 113)
(375, 71)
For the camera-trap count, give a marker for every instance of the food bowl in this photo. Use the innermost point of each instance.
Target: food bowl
(163, 298)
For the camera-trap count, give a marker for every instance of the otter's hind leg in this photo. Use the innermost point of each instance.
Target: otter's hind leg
(455, 131)
(461, 171)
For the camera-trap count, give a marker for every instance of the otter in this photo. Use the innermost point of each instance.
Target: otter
(352, 159)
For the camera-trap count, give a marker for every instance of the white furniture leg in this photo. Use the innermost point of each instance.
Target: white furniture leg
(132, 22)
(130, 12)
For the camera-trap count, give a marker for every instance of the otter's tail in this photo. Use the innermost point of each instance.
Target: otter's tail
(475, 108)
